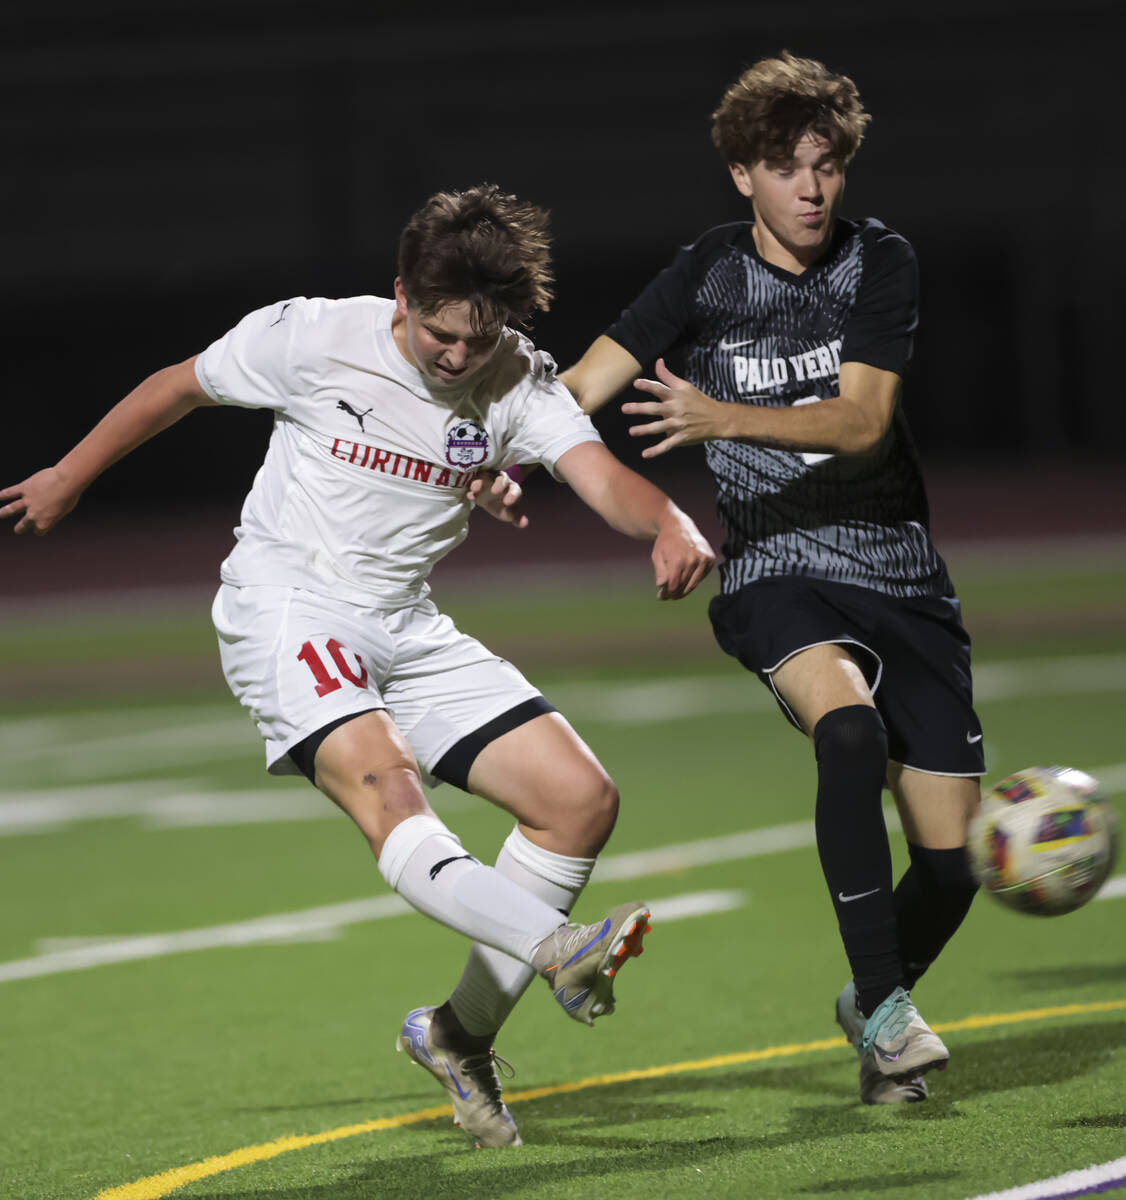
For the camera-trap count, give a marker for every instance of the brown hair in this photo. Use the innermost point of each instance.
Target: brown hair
(766, 111)
(482, 246)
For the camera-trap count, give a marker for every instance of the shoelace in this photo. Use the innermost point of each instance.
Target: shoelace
(891, 1018)
(483, 1069)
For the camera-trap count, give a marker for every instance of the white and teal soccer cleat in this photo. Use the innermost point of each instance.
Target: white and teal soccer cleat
(470, 1077)
(579, 962)
(895, 1045)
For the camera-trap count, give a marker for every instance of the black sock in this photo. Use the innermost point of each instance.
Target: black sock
(448, 1032)
(931, 901)
(851, 748)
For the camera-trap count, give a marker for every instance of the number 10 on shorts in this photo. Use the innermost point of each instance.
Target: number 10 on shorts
(325, 680)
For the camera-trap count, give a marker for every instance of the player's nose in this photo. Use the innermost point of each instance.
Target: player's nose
(456, 356)
(809, 185)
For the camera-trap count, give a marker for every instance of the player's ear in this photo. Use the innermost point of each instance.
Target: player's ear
(400, 297)
(741, 176)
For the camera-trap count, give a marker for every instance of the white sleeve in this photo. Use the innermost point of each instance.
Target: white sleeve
(550, 420)
(250, 365)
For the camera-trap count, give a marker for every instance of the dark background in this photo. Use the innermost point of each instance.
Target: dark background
(170, 166)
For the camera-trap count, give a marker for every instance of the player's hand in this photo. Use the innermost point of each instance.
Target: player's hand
(40, 502)
(685, 415)
(500, 497)
(681, 557)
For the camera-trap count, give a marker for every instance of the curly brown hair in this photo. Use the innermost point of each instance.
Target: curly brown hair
(481, 246)
(766, 111)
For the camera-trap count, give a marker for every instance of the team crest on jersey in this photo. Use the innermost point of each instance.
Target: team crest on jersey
(467, 444)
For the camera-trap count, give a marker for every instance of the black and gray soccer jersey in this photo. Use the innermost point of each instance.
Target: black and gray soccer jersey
(753, 333)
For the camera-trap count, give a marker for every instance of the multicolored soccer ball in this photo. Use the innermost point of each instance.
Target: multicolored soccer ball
(1044, 841)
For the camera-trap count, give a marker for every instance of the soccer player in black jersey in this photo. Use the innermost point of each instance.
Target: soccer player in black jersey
(796, 329)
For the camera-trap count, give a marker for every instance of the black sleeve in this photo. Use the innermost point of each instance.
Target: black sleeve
(663, 314)
(880, 331)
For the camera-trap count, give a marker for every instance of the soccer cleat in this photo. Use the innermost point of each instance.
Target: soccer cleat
(579, 962)
(896, 1042)
(470, 1077)
(875, 1088)
(900, 1041)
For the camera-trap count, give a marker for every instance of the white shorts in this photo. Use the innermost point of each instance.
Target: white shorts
(298, 661)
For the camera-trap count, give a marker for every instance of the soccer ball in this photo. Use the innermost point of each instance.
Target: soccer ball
(1044, 841)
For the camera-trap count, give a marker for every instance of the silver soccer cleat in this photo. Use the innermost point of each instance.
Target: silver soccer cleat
(468, 1075)
(579, 962)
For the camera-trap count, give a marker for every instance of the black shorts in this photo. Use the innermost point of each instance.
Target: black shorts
(913, 651)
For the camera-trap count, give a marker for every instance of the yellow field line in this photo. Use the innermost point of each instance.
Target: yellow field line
(154, 1187)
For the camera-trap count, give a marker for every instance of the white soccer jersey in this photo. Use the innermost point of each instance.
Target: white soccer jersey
(363, 488)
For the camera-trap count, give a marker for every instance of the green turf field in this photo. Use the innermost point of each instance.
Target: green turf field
(251, 971)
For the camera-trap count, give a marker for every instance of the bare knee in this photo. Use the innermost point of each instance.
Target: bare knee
(366, 767)
(585, 818)
(377, 798)
(935, 810)
(602, 808)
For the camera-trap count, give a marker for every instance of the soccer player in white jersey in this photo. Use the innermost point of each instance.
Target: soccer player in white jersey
(392, 418)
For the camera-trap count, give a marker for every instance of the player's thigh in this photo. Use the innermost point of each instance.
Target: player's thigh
(934, 810)
(366, 767)
(819, 679)
(548, 778)
(450, 695)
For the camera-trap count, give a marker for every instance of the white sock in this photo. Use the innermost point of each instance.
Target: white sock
(492, 982)
(425, 863)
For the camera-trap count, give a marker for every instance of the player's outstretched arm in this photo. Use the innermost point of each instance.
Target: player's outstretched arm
(632, 505)
(600, 374)
(853, 422)
(42, 500)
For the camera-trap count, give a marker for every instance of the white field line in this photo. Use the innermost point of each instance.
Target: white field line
(1064, 676)
(67, 955)
(160, 804)
(183, 803)
(711, 695)
(751, 844)
(681, 857)
(1101, 1177)
(312, 924)
(185, 736)
(54, 808)
(30, 736)
(663, 699)
(696, 904)
(183, 743)
(276, 927)
(179, 804)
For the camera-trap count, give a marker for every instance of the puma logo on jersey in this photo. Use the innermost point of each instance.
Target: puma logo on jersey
(343, 404)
